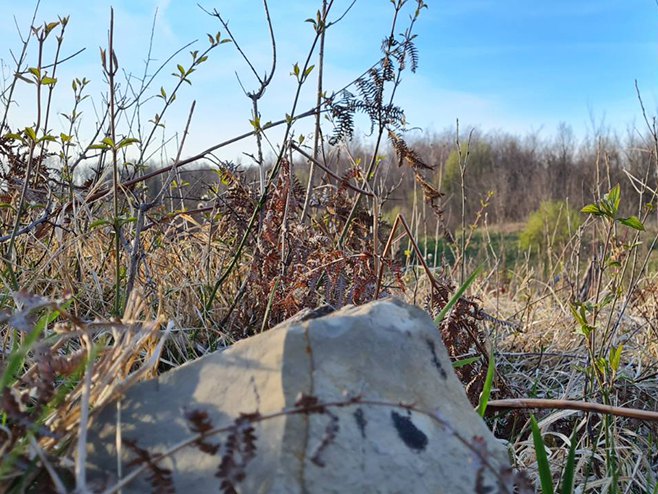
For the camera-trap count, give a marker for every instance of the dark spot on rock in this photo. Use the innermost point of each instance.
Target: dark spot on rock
(321, 311)
(361, 421)
(435, 359)
(411, 435)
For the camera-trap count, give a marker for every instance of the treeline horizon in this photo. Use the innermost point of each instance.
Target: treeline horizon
(506, 176)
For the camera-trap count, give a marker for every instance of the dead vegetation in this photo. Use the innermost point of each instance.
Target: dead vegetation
(107, 281)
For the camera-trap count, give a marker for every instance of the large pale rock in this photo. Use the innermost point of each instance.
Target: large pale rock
(386, 352)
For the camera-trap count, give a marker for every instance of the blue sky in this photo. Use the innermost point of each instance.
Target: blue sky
(508, 65)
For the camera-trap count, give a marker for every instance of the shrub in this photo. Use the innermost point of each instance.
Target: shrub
(549, 226)
(478, 159)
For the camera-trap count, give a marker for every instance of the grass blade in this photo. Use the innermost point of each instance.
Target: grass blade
(545, 476)
(569, 468)
(17, 355)
(488, 384)
(464, 362)
(460, 291)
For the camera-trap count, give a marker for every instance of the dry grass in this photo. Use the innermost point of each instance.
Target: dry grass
(105, 284)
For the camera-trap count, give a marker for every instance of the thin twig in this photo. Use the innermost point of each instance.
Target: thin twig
(58, 484)
(47, 214)
(318, 102)
(144, 208)
(328, 171)
(583, 406)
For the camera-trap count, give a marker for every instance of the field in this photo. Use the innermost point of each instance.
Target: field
(116, 269)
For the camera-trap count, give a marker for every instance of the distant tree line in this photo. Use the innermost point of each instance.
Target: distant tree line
(505, 177)
(514, 174)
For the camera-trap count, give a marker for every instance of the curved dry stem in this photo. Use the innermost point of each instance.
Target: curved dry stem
(583, 406)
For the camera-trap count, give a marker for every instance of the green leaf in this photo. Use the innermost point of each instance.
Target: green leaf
(108, 142)
(98, 223)
(600, 365)
(15, 137)
(175, 184)
(17, 356)
(585, 330)
(49, 81)
(609, 297)
(181, 70)
(615, 357)
(309, 70)
(48, 138)
(126, 219)
(24, 79)
(127, 142)
(592, 209)
(50, 26)
(632, 222)
(35, 72)
(570, 467)
(464, 362)
(488, 384)
(30, 133)
(457, 295)
(578, 315)
(613, 198)
(545, 476)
